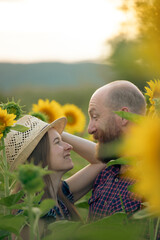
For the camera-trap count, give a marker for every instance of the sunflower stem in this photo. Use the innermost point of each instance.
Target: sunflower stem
(156, 230)
(6, 181)
(31, 218)
(151, 229)
(6, 178)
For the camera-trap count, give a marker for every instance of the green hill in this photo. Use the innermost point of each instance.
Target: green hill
(52, 74)
(65, 83)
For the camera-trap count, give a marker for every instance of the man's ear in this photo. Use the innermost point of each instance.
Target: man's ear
(124, 121)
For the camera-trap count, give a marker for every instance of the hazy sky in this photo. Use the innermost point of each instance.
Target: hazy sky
(57, 30)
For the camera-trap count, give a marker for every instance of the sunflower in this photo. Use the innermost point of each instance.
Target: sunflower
(40, 115)
(6, 121)
(142, 145)
(76, 120)
(52, 110)
(1, 135)
(13, 107)
(153, 92)
(89, 137)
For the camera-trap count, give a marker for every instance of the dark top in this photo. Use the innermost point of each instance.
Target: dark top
(55, 213)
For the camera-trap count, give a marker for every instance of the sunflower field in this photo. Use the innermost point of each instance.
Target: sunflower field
(139, 149)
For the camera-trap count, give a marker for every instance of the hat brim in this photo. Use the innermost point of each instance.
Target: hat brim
(58, 124)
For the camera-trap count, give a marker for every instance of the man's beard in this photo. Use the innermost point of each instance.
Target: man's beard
(111, 132)
(108, 140)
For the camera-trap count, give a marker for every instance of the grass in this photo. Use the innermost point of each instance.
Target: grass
(78, 96)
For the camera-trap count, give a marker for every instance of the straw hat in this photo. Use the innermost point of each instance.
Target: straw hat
(19, 145)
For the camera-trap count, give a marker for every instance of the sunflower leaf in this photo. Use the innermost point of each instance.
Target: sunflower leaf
(12, 199)
(144, 213)
(129, 116)
(19, 128)
(122, 160)
(1, 148)
(12, 223)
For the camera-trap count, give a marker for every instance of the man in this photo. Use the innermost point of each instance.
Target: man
(110, 188)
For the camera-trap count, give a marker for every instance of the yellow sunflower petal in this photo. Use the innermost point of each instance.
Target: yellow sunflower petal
(52, 110)
(142, 143)
(6, 120)
(76, 120)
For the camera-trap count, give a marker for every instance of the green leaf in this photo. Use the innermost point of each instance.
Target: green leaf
(18, 206)
(144, 213)
(2, 147)
(37, 198)
(112, 228)
(129, 116)
(12, 223)
(46, 205)
(19, 128)
(63, 230)
(4, 234)
(12, 199)
(131, 188)
(82, 204)
(121, 161)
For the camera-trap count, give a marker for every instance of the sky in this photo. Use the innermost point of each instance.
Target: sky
(57, 30)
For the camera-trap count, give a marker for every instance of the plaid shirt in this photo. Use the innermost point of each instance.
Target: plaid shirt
(107, 189)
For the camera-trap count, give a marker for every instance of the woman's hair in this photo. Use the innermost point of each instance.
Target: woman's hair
(40, 155)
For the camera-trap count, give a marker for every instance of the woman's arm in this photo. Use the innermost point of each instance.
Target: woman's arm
(82, 181)
(84, 147)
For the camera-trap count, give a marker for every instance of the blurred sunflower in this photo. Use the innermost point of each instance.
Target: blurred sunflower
(39, 115)
(52, 110)
(142, 145)
(153, 92)
(6, 121)
(90, 137)
(76, 120)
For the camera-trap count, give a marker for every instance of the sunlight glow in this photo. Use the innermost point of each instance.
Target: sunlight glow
(57, 30)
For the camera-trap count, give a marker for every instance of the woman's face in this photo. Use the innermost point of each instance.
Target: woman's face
(59, 155)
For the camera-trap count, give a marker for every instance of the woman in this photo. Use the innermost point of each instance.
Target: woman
(42, 143)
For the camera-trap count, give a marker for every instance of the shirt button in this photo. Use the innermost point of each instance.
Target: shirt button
(116, 180)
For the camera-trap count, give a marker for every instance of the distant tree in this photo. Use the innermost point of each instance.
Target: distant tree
(138, 60)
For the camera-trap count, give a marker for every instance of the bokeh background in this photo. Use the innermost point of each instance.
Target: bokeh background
(64, 50)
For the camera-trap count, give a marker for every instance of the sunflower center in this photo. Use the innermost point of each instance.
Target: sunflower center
(70, 118)
(2, 121)
(12, 110)
(49, 114)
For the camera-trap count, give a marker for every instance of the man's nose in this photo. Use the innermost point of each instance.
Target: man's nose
(91, 127)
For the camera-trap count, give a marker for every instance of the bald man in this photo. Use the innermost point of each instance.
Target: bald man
(109, 186)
